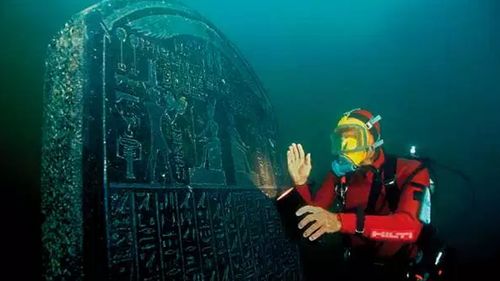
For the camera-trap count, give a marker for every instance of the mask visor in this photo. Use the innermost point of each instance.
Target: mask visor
(349, 139)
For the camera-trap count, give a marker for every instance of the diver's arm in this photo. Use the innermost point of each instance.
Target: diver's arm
(403, 225)
(324, 197)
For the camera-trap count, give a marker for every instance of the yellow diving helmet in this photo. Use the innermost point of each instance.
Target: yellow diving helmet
(357, 133)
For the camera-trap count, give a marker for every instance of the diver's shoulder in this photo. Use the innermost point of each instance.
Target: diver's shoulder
(410, 162)
(407, 166)
(403, 161)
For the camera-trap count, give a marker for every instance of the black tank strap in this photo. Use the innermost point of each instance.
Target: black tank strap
(375, 190)
(384, 177)
(389, 169)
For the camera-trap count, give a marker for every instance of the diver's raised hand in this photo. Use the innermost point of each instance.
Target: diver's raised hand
(299, 164)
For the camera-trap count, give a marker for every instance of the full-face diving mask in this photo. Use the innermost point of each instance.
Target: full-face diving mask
(352, 140)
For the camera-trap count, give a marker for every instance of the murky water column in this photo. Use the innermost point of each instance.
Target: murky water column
(159, 152)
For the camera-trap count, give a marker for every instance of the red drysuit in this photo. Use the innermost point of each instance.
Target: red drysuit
(390, 230)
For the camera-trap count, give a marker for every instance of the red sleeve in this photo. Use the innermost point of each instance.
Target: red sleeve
(324, 197)
(404, 224)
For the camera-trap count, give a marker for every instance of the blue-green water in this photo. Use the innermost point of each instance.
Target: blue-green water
(430, 68)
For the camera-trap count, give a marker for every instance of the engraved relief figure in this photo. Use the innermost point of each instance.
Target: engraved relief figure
(212, 152)
(128, 147)
(209, 169)
(158, 169)
(239, 151)
(176, 125)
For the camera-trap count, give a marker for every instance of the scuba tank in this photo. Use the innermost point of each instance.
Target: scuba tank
(425, 210)
(434, 258)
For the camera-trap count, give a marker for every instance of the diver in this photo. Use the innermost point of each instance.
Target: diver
(376, 205)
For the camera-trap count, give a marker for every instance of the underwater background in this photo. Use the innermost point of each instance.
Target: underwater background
(431, 69)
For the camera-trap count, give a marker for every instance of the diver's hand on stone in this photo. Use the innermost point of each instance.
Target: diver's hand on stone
(323, 221)
(299, 164)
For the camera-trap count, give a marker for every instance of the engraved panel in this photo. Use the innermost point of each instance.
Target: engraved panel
(160, 154)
